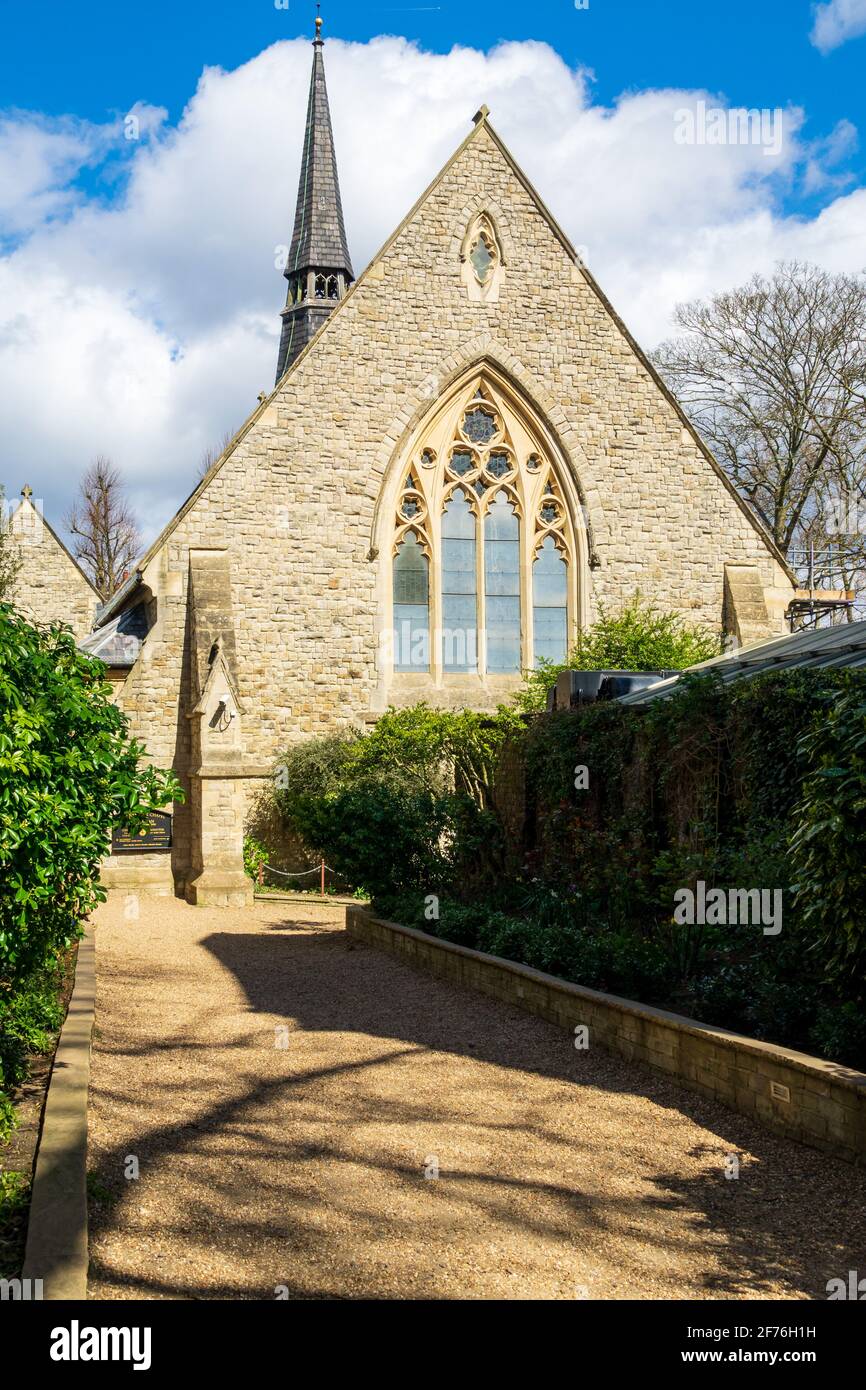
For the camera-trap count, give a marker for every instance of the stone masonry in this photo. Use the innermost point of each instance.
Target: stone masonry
(50, 586)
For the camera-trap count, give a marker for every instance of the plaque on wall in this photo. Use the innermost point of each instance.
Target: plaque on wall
(155, 837)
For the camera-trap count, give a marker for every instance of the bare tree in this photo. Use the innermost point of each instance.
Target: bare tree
(210, 455)
(10, 559)
(105, 532)
(774, 376)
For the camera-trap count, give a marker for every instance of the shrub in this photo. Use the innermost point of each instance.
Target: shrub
(640, 638)
(839, 1032)
(256, 856)
(395, 809)
(29, 1018)
(68, 774)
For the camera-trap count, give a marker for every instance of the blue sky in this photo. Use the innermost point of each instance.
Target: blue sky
(98, 58)
(92, 56)
(138, 280)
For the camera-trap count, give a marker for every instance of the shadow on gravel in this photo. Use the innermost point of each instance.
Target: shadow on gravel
(325, 982)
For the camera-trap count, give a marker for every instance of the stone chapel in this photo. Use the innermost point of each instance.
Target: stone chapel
(465, 453)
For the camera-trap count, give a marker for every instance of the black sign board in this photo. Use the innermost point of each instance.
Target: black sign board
(155, 838)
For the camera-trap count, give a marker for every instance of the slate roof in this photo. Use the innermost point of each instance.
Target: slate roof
(118, 642)
(319, 235)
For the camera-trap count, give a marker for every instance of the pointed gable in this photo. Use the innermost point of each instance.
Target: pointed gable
(50, 587)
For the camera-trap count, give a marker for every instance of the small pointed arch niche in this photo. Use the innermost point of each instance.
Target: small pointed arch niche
(487, 498)
(482, 263)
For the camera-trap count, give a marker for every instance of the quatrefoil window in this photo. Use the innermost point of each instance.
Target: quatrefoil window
(499, 465)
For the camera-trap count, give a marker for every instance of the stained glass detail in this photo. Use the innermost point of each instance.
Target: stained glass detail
(474, 549)
(498, 465)
(549, 604)
(461, 462)
(479, 426)
(481, 259)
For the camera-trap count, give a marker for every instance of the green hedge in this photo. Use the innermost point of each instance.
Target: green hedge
(68, 774)
(484, 831)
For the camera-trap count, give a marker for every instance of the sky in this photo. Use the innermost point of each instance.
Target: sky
(149, 159)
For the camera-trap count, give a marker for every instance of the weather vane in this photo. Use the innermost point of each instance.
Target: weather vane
(318, 19)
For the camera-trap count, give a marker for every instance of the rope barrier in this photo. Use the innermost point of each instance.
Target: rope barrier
(300, 873)
(321, 868)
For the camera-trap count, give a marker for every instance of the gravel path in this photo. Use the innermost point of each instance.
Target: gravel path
(284, 1090)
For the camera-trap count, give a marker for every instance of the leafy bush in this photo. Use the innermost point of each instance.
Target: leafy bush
(827, 847)
(68, 774)
(839, 1032)
(256, 855)
(395, 809)
(640, 638)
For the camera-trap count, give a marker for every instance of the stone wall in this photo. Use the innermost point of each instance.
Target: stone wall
(799, 1096)
(50, 587)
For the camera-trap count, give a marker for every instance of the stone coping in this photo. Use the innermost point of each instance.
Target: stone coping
(818, 1102)
(56, 1250)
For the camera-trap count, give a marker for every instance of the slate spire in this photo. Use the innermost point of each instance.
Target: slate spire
(318, 268)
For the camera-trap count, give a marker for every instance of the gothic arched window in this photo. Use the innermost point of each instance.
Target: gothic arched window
(481, 260)
(459, 584)
(549, 603)
(411, 607)
(484, 527)
(502, 585)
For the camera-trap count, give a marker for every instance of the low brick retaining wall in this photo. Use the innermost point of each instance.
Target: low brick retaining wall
(802, 1097)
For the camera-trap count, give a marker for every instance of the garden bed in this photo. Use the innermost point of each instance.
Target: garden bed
(18, 1152)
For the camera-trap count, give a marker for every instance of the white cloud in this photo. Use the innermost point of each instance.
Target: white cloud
(38, 161)
(144, 327)
(837, 21)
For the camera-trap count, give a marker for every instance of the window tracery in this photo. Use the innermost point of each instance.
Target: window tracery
(483, 528)
(481, 259)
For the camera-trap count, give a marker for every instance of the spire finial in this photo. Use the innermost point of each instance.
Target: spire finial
(27, 491)
(318, 21)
